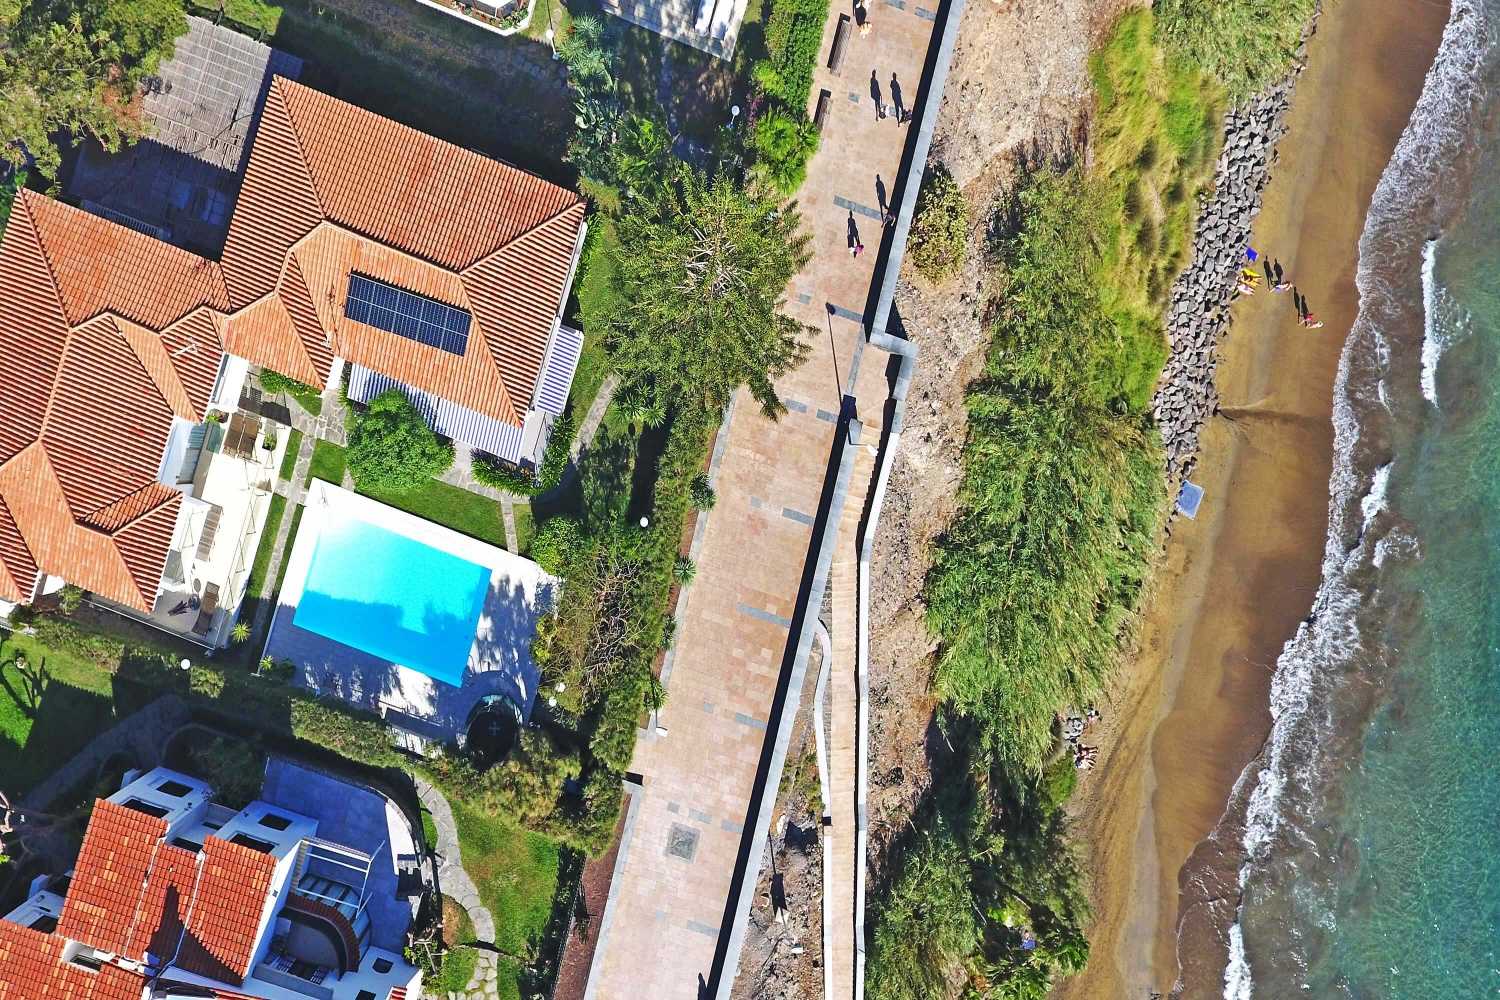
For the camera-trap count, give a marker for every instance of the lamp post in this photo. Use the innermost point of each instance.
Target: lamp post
(734, 115)
(550, 43)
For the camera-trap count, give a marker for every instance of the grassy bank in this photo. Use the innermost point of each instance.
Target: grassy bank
(1035, 585)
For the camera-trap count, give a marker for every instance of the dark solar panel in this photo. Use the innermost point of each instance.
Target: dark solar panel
(407, 314)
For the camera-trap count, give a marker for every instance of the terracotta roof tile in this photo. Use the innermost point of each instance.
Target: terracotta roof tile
(277, 206)
(39, 510)
(231, 900)
(31, 968)
(17, 564)
(100, 265)
(152, 354)
(407, 189)
(265, 333)
(108, 424)
(102, 907)
(133, 893)
(194, 345)
(514, 294)
(33, 331)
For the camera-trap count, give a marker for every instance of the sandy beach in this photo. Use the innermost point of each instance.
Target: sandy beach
(1190, 709)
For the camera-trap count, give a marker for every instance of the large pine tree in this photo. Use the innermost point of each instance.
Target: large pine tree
(702, 280)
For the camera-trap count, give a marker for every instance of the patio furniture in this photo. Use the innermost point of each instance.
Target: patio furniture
(840, 43)
(824, 99)
(205, 622)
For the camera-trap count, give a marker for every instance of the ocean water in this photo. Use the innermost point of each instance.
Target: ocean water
(1372, 820)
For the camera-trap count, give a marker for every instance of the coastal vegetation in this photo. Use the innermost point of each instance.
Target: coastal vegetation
(940, 230)
(1243, 46)
(1035, 585)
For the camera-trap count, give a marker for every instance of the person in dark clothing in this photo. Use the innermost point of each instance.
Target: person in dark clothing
(855, 246)
(896, 101)
(880, 196)
(875, 95)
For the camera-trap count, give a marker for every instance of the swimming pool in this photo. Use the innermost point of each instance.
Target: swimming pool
(393, 597)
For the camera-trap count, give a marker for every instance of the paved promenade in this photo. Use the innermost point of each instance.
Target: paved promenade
(669, 917)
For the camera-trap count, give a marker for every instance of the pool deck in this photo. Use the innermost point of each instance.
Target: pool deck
(520, 592)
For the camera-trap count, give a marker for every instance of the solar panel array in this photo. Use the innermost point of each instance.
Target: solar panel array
(407, 314)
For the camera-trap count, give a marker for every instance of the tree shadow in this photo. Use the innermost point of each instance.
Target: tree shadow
(33, 678)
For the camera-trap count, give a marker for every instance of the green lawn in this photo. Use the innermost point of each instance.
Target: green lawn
(309, 399)
(328, 461)
(291, 535)
(468, 513)
(525, 527)
(251, 17)
(289, 460)
(274, 514)
(49, 712)
(516, 872)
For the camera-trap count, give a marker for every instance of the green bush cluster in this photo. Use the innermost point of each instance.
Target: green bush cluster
(306, 396)
(781, 144)
(940, 230)
(559, 449)
(493, 472)
(794, 32)
(988, 870)
(1038, 575)
(391, 448)
(555, 542)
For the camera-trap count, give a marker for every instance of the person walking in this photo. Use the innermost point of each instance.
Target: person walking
(896, 101)
(876, 96)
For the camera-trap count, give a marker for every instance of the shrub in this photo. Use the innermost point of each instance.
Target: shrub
(701, 492)
(234, 767)
(782, 145)
(272, 381)
(391, 448)
(684, 570)
(557, 541)
(527, 787)
(559, 449)
(940, 231)
(69, 598)
(499, 475)
(306, 396)
(794, 32)
(240, 632)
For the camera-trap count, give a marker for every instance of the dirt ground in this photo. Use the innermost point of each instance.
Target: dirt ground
(1018, 93)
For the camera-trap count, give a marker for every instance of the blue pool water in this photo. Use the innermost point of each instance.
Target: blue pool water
(393, 597)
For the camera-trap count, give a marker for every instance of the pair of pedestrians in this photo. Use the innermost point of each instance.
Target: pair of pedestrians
(897, 106)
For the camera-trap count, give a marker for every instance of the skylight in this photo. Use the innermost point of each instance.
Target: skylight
(407, 314)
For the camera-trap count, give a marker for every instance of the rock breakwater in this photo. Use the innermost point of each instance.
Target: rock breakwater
(1198, 306)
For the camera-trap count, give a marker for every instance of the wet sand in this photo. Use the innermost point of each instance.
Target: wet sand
(1190, 710)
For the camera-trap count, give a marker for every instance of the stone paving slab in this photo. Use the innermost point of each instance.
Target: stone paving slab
(668, 908)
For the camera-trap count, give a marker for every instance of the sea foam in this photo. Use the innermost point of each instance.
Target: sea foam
(1439, 129)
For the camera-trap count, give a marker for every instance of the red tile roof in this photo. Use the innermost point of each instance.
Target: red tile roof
(91, 395)
(133, 893)
(331, 188)
(108, 334)
(31, 968)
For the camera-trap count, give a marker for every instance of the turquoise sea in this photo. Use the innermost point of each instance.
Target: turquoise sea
(1372, 835)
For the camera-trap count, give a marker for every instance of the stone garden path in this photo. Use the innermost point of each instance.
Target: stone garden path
(457, 884)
